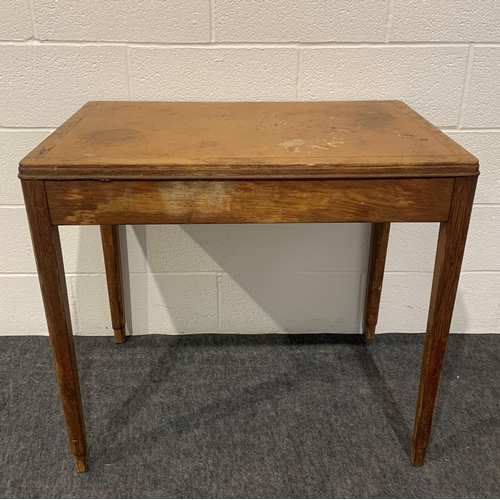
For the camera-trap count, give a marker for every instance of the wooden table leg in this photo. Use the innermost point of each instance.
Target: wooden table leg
(47, 248)
(449, 255)
(376, 265)
(112, 261)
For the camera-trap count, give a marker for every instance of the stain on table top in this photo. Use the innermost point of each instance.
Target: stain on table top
(198, 140)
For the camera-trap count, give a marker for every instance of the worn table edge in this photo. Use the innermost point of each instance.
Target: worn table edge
(248, 172)
(34, 166)
(49, 142)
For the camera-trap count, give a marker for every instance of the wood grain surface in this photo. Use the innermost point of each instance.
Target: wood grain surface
(376, 266)
(47, 248)
(449, 256)
(113, 264)
(158, 140)
(180, 163)
(219, 202)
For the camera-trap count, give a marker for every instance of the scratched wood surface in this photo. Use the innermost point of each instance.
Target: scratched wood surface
(261, 201)
(49, 262)
(449, 256)
(158, 140)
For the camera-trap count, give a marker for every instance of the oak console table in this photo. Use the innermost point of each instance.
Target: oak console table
(118, 163)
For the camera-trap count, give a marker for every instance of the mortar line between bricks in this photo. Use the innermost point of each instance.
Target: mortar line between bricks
(222, 274)
(180, 273)
(129, 74)
(427, 273)
(470, 129)
(230, 273)
(380, 45)
(35, 275)
(33, 18)
(362, 300)
(477, 331)
(241, 45)
(388, 26)
(219, 297)
(27, 129)
(465, 90)
(298, 82)
(211, 17)
(18, 275)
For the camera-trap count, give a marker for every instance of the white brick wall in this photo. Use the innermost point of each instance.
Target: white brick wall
(221, 74)
(430, 79)
(124, 21)
(295, 21)
(443, 58)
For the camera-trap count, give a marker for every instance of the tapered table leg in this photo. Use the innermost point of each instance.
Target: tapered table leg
(449, 255)
(47, 248)
(112, 261)
(376, 265)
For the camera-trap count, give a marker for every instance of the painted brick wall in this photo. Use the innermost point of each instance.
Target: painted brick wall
(442, 58)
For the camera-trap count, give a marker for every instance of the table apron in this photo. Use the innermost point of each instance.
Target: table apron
(249, 201)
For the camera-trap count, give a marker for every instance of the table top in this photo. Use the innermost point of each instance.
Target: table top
(228, 140)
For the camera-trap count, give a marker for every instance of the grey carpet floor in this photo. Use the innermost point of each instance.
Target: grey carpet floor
(272, 416)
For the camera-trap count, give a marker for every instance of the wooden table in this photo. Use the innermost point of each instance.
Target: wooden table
(179, 163)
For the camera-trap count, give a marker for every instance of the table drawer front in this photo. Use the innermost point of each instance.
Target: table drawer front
(266, 201)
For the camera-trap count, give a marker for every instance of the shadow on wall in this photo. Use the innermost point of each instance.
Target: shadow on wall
(460, 323)
(249, 278)
(242, 278)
